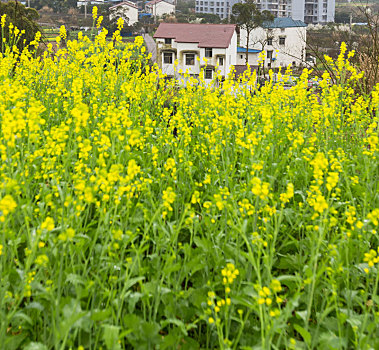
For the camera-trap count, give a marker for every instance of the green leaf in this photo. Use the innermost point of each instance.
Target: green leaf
(176, 322)
(75, 279)
(35, 306)
(304, 333)
(132, 282)
(110, 337)
(100, 315)
(13, 342)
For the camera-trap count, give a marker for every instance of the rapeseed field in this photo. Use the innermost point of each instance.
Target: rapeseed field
(138, 212)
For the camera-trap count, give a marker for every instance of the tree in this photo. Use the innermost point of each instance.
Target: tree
(208, 18)
(363, 39)
(59, 6)
(248, 17)
(25, 19)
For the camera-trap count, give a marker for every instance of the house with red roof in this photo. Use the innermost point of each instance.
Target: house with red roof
(189, 48)
(158, 8)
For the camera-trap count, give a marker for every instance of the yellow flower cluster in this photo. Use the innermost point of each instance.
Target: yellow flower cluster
(319, 163)
(285, 197)
(68, 235)
(266, 296)
(246, 208)
(168, 198)
(229, 274)
(7, 205)
(260, 189)
(170, 165)
(331, 180)
(372, 258)
(374, 216)
(221, 197)
(28, 288)
(48, 224)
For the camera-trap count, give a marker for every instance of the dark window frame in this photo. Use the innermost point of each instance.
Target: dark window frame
(208, 73)
(167, 58)
(188, 59)
(208, 52)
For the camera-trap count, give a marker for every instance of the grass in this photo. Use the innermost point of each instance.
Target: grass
(136, 212)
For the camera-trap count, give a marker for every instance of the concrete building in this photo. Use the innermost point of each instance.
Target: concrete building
(126, 10)
(283, 40)
(159, 8)
(222, 8)
(308, 11)
(212, 47)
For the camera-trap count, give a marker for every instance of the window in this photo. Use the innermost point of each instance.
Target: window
(221, 61)
(241, 57)
(208, 52)
(167, 57)
(167, 41)
(269, 41)
(208, 73)
(282, 40)
(190, 59)
(269, 55)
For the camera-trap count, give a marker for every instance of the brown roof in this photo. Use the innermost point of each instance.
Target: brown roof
(129, 3)
(206, 35)
(239, 69)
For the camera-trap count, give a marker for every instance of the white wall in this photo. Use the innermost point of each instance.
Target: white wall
(253, 58)
(160, 8)
(298, 10)
(293, 51)
(128, 13)
(179, 50)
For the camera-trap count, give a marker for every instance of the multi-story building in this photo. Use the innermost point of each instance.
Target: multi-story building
(189, 48)
(308, 11)
(222, 8)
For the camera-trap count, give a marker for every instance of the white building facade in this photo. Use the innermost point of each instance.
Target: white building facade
(308, 11)
(222, 8)
(158, 8)
(189, 48)
(283, 40)
(126, 10)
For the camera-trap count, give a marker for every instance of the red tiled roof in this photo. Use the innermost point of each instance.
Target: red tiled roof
(206, 35)
(129, 3)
